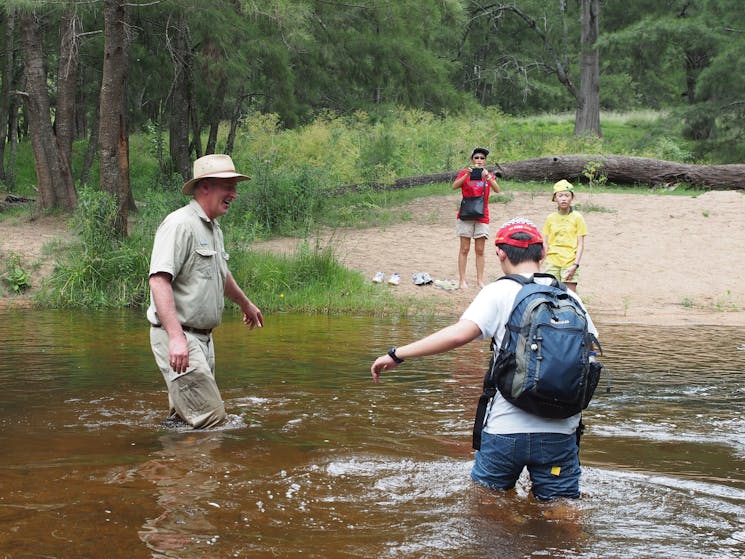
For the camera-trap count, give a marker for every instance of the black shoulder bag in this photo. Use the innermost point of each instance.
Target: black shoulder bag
(472, 207)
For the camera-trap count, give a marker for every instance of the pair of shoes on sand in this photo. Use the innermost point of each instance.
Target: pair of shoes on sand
(421, 278)
(395, 278)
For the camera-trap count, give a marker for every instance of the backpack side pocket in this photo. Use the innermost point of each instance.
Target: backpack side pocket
(593, 377)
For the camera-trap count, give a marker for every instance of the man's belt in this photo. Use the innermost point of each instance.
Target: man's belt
(203, 331)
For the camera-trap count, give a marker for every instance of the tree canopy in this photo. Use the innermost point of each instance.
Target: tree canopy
(193, 65)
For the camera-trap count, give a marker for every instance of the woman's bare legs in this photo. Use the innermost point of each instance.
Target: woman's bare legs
(465, 246)
(478, 246)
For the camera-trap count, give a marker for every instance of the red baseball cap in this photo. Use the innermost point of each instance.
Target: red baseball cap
(518, 225)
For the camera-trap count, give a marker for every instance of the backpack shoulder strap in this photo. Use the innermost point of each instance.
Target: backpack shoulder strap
(519, 278)
(554, 282)
(528, 286)
(522, 280)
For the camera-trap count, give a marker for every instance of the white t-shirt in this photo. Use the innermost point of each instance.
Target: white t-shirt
(489, 311)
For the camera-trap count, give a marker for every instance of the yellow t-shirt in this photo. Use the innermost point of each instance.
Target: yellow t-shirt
(561, 232)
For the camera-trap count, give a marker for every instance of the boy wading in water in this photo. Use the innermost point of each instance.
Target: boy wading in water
(512, 438)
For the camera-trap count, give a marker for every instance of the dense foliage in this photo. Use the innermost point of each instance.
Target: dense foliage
(228, 61)
(301, 194)
(310, 95)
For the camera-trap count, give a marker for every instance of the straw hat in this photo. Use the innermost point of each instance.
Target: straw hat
(216, 166)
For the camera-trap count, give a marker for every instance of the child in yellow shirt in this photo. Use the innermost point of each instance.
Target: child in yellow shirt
(564, 237)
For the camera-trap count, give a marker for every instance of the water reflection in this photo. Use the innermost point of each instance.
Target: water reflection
(183, 473)
(317, 461)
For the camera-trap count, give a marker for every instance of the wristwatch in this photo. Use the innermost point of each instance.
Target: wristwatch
(392, 355)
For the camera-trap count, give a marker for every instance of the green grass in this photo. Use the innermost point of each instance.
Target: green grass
(15, 278)
(311, 280)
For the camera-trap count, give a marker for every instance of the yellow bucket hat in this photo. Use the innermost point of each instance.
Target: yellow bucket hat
(563, 186)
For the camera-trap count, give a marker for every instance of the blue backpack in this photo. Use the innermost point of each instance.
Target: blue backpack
(544, 364)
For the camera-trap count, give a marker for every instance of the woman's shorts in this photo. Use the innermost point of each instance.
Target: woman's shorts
(472, 229)
(560, 273)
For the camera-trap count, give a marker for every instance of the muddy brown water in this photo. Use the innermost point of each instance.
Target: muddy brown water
(317, 461)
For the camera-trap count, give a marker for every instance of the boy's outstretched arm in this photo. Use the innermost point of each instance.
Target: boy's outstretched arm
(448, 338)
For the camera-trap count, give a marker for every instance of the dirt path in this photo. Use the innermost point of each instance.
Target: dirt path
(26, 239)
(649, 259)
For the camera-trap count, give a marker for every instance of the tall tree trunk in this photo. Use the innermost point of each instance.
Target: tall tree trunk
(216, 107)
(113, 136)
(52, 169)
(180, 97)
(90, 152)
(5, 92)
(67, 81)
(10, 169)
(196, 127)
(235, 119)
(587, 116)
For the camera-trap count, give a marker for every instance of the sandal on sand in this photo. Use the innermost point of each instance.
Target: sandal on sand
(447, 285)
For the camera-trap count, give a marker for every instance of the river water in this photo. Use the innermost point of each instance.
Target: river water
(317, 461)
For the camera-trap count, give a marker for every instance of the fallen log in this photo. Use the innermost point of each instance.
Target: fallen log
(11, 200)
(620, 169)
(617, 169)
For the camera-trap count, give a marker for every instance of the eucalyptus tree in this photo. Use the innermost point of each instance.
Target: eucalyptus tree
(51, 40)
(359, 55)
(52, 148)
(685, 55)
(587, 119)
(11, 72)
(510, 48)
(113, 135)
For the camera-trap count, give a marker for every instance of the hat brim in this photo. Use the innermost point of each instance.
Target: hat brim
(188, 187)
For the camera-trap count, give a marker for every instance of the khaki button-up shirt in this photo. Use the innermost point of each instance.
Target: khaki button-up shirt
(190, 248)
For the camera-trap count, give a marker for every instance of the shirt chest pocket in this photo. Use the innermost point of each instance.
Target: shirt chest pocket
(205, 262)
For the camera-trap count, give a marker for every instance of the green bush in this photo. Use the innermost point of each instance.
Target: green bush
(296, 175)
(101, 270)
(287, 201)
(310, 280)
(15, 277)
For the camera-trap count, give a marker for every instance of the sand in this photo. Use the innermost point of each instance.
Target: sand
(649, 258)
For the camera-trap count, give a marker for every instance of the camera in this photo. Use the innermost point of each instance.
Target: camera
(476, 173)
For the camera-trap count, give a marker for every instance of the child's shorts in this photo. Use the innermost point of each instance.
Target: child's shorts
(560, 273)
(472, 229)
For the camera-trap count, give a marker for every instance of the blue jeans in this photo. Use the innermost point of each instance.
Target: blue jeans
(552, 460)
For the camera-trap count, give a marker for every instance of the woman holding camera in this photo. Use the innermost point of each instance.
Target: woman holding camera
(474, 181)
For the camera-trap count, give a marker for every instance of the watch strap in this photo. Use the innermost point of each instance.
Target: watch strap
(392, 355)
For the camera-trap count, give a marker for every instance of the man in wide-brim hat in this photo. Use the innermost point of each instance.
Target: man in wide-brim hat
(189, 279)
